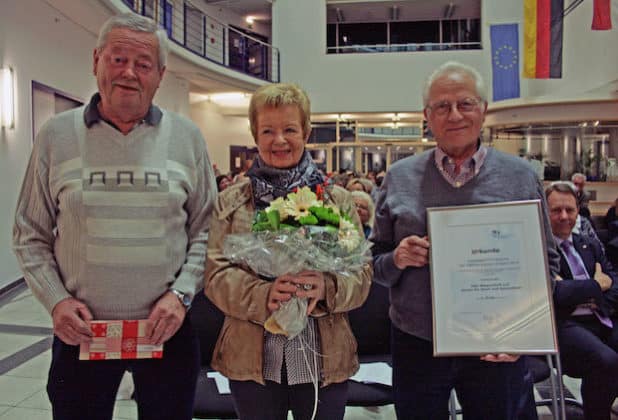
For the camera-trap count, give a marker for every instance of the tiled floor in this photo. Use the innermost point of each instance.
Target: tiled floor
(25, 330)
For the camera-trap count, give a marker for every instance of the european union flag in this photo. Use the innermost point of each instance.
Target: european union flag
(505, 61)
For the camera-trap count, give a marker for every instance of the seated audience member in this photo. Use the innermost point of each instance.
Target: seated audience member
(583, 197)
(223, 181)
(586, 299)
(611, 221)
(371, 176)
(359, 184)
(365, 210)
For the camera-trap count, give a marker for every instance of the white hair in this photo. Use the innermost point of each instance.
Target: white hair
(577, 175)
(136, 23)
(453, 67)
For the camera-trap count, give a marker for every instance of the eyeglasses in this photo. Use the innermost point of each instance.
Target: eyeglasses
(464, 105)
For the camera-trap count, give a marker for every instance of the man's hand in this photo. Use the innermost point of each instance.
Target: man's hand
(412, 251)
(70, 318)
(165, 319)
(311, 285)
(281, 290)
(500, 358)
(603, 279)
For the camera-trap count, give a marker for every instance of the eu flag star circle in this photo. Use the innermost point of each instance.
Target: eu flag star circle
(505, 57)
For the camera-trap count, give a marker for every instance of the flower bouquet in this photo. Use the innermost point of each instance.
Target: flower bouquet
(296, 233)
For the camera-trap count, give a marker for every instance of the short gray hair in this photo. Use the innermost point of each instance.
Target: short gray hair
(453, 67)
(578, 175)
(136, 23)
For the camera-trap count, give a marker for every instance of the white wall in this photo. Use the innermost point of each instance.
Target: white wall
(41, 44)
(221, 131)
(392, 81)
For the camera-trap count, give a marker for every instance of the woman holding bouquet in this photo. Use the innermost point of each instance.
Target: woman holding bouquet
(269, 373)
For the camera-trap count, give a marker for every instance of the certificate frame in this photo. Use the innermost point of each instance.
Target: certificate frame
(490, 284)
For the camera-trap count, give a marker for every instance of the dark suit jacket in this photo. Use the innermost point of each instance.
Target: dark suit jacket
(569, 293)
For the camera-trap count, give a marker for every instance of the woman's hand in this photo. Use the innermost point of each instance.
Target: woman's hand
(311, 285)
(281, 290)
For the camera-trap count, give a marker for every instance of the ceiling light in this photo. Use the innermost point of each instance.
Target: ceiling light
(596, 123)
(230, 98)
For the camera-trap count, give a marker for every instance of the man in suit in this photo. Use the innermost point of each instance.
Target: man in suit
(586, 300)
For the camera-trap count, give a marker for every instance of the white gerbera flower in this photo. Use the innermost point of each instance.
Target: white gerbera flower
(279, 206)
(297, 204)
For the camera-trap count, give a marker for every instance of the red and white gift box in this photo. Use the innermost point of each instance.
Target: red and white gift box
(119, 340)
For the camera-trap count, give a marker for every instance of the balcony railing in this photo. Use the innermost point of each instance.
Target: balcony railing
(210, 39)
(426, 46)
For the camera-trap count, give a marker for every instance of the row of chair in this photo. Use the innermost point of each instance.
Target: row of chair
(371, 326)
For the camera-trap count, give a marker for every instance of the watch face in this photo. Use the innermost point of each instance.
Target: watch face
(184, 299)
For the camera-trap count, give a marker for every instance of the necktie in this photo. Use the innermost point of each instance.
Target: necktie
(579, 273)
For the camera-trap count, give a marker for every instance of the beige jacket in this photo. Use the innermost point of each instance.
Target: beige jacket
(242, 297)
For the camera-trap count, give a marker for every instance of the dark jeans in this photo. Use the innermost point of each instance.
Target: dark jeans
(272, 401)
(164, 388)
(422, 383)
(588, 350)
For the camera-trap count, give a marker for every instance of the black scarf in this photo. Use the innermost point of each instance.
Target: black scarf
(270, 183)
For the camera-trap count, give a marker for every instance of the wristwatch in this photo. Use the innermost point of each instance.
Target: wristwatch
(183, 298)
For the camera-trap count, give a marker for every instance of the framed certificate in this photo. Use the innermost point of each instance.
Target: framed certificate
(490, 285)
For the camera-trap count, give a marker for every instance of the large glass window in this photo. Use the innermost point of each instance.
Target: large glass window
(415, 32)
(388, 26)
(362, 34)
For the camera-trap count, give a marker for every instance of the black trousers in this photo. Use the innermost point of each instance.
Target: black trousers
(588, 350)
(422, 383)
(164, 388)
(254, 401)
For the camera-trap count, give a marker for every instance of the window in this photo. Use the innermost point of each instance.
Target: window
(389, 26)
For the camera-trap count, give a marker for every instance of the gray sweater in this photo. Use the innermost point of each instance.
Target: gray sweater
(411, 186)
(114, 220)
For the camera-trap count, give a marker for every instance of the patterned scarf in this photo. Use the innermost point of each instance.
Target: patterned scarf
(270, 183)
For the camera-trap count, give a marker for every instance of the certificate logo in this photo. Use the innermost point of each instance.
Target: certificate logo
(499, 234)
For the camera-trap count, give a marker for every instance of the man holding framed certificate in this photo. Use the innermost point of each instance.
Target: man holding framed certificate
(459, 172)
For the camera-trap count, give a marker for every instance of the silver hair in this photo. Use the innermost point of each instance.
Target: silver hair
(136, 23)
(453, 67)
(578, 175)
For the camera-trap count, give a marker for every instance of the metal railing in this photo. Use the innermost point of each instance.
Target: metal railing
(210, 39)
(425, 46)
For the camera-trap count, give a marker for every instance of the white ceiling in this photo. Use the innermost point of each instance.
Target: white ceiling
(260, 9)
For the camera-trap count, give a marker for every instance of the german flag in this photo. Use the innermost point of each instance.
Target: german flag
(543, 39)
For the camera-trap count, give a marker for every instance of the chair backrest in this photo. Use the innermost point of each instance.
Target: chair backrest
(207, 321)
(370, 323)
